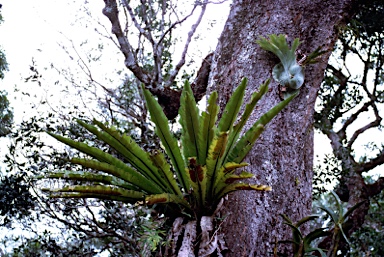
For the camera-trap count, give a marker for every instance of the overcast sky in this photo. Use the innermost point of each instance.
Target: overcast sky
(32, 30)
(36, 29)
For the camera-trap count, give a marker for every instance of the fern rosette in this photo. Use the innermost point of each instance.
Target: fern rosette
(202, 166)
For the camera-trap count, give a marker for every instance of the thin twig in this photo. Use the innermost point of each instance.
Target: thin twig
(187, 43)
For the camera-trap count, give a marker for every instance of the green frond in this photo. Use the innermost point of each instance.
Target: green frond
(128, 148)
(295, 44)
(165, 172)
(217, 147)
(297, 238)
(189, 121)
(352, 209)
(313, 57)
(207, 129)
(331, 214)
(268, 116)
(226, 171)
(125, 173)
(250, 106)
(97, 191)
(230, 167)
(256, 96)
(89, 150)
(214, 159)
(339, 205)
(246, 142)
(166, 198)
(313, 235)
(230, 178)
(278, 45)
(343, 233)
(90, 177)
(286, 218)
(167, 139)
(231, 110)
(306, 219)
(241, 186)
(302, 244)
(316, 249)
(75, 195)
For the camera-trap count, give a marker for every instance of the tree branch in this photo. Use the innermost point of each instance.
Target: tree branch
(376, 188)
(167, 97)
(175, 24)
(142, 31)
(373, 163)
(187, 43)
(335, 99)
(351, 119)
(199, 85)
(358, 132)
(111, 11)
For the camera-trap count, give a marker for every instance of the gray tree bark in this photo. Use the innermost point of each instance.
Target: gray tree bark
(283, 156)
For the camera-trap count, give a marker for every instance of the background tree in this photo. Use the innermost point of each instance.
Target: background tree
(6, 115)
(351, 102)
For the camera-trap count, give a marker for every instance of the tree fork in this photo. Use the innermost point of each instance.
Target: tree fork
(169, 98)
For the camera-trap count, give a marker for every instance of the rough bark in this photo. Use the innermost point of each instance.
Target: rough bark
(283, 156)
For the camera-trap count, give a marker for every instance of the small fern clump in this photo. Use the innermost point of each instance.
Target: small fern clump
(202, 165)
(306, 245)
(290, 71)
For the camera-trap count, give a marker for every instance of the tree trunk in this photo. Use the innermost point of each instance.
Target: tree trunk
(283, 156)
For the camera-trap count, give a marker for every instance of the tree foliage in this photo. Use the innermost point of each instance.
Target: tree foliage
(6, 114)
(3, 61)
(15, 199)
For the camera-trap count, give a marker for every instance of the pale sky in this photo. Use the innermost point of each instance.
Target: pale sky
(35, 29)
